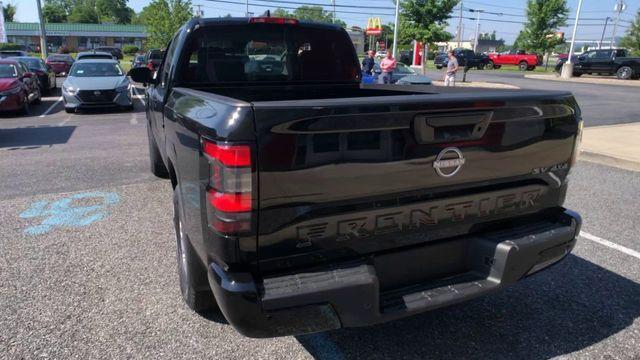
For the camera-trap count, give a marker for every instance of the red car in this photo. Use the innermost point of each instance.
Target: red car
(60, 63)
(18, 86)
(519, 58)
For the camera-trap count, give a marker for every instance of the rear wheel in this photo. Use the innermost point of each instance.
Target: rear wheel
(490, 65)
(194, 285)
(624, 73)
(157, 165)
(523, 66)
(481, 66)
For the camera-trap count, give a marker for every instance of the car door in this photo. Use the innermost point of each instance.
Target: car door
(157, 94)
(602, 62)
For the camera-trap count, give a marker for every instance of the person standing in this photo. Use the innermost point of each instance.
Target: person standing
(369, 62)
(452, 68)
(387, 65)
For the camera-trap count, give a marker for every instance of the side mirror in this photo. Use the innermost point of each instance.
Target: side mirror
(141, 75)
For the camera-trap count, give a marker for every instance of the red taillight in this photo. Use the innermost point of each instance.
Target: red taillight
(230, 189)
(229, 202)
(273, 20)
(229, 155)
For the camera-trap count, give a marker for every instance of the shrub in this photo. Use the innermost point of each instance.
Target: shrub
(130, 49)
(10, 46)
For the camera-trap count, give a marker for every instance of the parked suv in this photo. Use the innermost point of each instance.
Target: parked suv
(116, 52)
(466, 58)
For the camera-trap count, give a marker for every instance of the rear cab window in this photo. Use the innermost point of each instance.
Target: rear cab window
(268, 53)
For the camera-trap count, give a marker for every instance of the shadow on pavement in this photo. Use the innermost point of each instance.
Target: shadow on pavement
(34, 137)
(565, 309)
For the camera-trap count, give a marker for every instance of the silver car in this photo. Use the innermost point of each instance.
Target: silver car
(96, 83)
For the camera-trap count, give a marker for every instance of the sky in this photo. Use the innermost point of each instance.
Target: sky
(356, 12)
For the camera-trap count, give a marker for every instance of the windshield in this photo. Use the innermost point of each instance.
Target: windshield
(32, 63)
(96, 70)
(267, 52)
(96, 56)
(8, 71)
(60, 58)
(155, 55)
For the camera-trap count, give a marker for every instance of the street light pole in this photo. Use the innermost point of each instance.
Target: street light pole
(43, 35)
(604, 30)
(395, 28)
(567, 68)
(247, 13)
(333, 2)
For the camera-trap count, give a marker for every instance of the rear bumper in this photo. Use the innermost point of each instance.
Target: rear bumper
(351, 295)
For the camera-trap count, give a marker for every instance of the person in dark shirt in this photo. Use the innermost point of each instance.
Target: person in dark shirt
(368, 63)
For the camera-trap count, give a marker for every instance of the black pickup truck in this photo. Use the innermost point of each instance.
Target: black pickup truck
(606, 62)
(466, 58)
(305, 201)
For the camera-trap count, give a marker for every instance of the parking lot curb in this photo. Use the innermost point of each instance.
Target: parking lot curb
(605, 159)
(586, 80)
(478, 84)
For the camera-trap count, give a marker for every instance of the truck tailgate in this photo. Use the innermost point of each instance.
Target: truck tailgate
(343, 178)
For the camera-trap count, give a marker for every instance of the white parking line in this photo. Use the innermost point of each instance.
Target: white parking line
(610, 244)
(134, 119)
(139, 97)
(51, 107)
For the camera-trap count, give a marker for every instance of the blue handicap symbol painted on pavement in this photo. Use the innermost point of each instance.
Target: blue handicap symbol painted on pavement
(63, 212)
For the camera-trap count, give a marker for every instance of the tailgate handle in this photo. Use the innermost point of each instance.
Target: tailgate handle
(437, 128)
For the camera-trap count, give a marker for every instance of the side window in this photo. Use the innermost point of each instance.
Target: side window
(166, 63)
(603, 55)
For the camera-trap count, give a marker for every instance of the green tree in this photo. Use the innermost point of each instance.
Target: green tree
(425, 21)
(631, 40)
(84, 11)
(313, 13)
(54, 14)
(9, 12)
(113, 11)
(281, 13)
(163, 18)
(544, 18)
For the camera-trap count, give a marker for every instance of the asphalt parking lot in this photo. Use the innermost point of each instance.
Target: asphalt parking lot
(87, 259)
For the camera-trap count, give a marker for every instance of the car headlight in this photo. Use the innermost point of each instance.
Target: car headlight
(69, 90)
(123, 88)
(12, 91)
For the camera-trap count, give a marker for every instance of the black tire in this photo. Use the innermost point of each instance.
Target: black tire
(624, 73)
(38, 98)
(490, 66)
(523, 66)
(157, 165)
(439, 67)
(192, 273)
(577, 74)
(70, 110)
(531, 68)
(497, 66)
(480, 67)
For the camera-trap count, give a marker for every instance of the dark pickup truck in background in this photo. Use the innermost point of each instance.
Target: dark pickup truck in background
(605, 62)
(305, 202)
(466, 58)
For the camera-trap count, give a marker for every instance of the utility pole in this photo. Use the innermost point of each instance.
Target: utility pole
(43, 35)
(333, 2)
(475, 42)
(460, 26)
(604, 30)
(199, 12)
(247, 12)
(395, 28)
(619, 8)
(567, 68)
